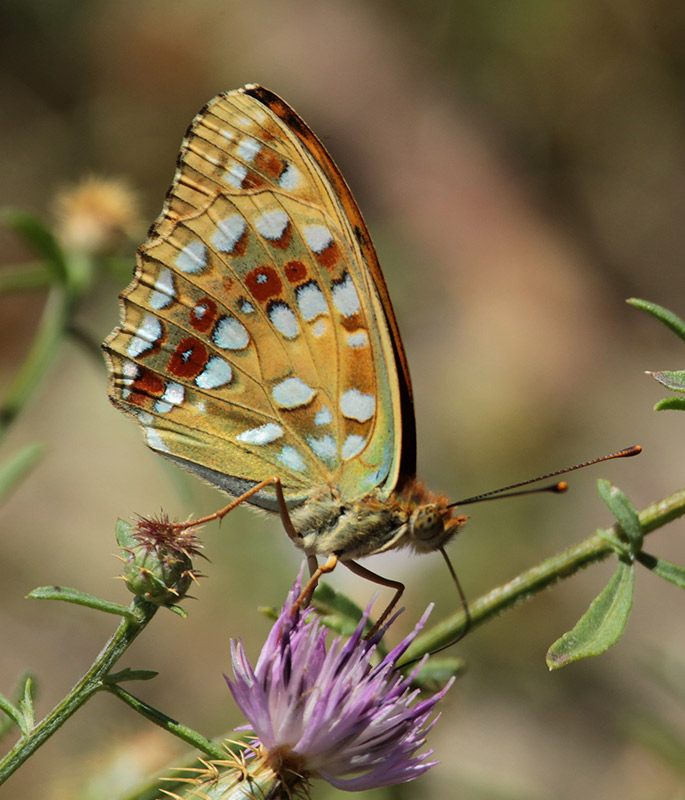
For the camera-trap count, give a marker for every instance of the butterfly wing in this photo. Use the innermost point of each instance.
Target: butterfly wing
(257, 337)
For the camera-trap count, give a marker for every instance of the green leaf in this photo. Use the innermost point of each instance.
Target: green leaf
(15, 468)
(339, 613)
(39, 237)
(664, 569)
(669, 319)
(602, 624)
(670, 404)
(12, 712)
(69, 595)
(624, 511)
(671, 379)
(22, 713)
(26, 703)
(620, 546)
(131, 675)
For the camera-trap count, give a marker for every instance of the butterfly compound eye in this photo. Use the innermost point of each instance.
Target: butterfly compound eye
(427, 527)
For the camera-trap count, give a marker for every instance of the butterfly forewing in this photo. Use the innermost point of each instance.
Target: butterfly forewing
(257, 336)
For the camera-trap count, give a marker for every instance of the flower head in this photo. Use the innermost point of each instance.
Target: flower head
(96, 214)
(332, 713)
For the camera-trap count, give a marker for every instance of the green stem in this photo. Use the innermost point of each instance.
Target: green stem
(48, 338)
(188, 735)
(92, 682)
(534, 580)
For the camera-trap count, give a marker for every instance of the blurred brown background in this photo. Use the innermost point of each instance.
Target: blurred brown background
(521, 168)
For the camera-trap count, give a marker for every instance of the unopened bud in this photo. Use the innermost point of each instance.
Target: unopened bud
(158, 559)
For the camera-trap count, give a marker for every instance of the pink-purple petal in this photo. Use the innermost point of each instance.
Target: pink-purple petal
(340, 714)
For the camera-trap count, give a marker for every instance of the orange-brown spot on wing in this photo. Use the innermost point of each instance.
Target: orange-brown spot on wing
(352, 323)
(270, 164)
(296, 272)
(146, 385)
(252, 181)
(329, 257)
(188, 359)
(227, 283)
(284, 241)
(264, 283)
(203, 315)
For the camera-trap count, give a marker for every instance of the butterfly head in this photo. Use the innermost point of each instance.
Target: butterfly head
(432, 525)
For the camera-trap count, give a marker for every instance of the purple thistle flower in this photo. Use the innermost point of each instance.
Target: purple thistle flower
(332, 714)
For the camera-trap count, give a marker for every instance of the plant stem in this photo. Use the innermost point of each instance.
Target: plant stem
(92, 682)
(534, 580)
(188, 735)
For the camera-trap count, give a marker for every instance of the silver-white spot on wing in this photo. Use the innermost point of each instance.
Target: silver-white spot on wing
(292, 393)
(357, 405)
(264, 434)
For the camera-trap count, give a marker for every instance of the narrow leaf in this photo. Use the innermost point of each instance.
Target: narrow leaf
(17, 466)
(664, 569)
(131, 675)
(69, 595)
(619, 545)
(12, 712)
(39, 237)
(624, 511)
(671, 379)
(670, 404)
(669, 319)
(602, 624)
(26, 703)
(339, 613)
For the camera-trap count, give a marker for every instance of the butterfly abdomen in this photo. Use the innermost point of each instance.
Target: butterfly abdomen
(329, 526)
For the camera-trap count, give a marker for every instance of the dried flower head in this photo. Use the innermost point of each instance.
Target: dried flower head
(94, 215)
(331, 713)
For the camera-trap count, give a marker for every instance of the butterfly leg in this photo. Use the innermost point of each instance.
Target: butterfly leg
(313, 564)
(316, 570)
(282, 508)
(363, 572)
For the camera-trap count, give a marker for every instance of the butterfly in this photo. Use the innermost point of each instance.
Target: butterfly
(258, 347)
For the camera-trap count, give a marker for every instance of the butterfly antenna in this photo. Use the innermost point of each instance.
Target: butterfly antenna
(512, 491)
(560, 486)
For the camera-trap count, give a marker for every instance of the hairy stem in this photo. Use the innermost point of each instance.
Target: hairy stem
(92, 682)
(534, 580)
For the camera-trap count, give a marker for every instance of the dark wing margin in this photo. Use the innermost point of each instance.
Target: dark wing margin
(281, 109)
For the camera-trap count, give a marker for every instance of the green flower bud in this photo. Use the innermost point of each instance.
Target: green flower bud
(157, 557)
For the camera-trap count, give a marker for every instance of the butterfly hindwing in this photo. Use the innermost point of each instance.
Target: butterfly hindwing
(257, 337)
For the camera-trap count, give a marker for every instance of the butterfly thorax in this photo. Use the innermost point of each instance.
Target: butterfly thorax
(413, 517)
